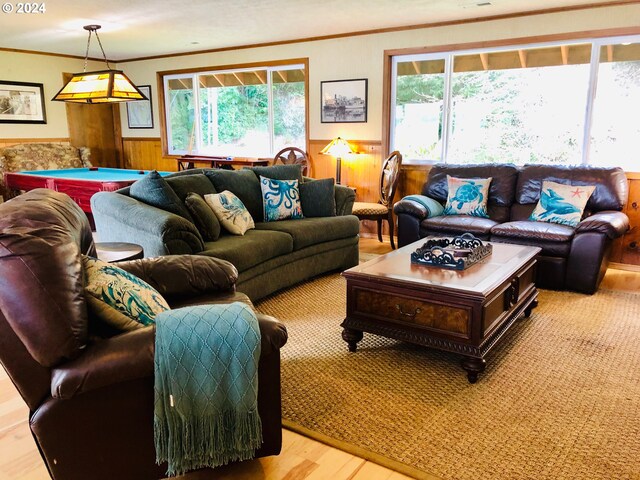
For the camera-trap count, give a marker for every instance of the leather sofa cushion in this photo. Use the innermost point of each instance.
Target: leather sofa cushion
(457, 224)
(312, 231)
(251, 249)
(554, 239)
(501, 191)
(611, 191)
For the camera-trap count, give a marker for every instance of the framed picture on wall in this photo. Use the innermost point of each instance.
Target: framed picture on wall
(139, 112)
(343, 101)
(22, 102)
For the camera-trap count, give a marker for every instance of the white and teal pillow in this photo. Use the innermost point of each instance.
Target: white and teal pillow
(560, 203)
(467, 196)
(119, 298)
(280, 199)
(231, 212)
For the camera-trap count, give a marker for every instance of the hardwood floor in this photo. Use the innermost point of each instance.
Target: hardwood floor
(301, 457)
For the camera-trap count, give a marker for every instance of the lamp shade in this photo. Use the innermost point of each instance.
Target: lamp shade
(105, 86)
(338, 147)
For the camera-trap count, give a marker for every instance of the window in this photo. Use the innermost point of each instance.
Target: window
(241, 112)
(520, 104)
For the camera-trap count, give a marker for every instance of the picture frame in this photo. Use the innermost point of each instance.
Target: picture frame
(140, 112)
(22, 102)
(344, 101)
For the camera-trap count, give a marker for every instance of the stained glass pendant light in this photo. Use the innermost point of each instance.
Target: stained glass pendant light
(104, 86)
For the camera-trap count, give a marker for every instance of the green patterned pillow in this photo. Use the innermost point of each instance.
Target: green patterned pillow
(561, 203)
(280, 199)
(119, 298)
(467, 196)
(231, 212)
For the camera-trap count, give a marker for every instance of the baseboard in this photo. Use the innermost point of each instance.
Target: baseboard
(625, 266)
(374, 235)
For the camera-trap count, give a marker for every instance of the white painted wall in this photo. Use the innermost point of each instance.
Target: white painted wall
(48, 70)
(362, 57)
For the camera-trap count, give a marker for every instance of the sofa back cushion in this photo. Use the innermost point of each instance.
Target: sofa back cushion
(501, 190)
(183, 185)
(280, 172)
(611, 191)
(155, 191)
(42, 235)
(244, 184)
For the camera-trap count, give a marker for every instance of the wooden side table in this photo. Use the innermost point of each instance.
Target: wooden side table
(118, 251)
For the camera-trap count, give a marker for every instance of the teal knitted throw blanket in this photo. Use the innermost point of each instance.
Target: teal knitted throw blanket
(206, 386)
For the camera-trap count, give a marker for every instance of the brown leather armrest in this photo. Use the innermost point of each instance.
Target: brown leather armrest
(184, 275)
(273, 334)
(128, 356)
(611, 223)
(412, 208)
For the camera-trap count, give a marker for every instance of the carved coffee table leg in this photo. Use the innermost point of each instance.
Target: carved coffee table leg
(473, 366)
(352, 337)
(532, 305)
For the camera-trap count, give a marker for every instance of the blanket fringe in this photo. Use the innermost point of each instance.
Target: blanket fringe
(206, 441)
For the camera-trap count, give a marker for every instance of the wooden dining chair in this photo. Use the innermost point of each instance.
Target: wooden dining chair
(293, 156)
(389, 177)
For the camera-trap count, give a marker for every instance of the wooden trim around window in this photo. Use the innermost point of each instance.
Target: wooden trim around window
(389, 54)
(161, 97)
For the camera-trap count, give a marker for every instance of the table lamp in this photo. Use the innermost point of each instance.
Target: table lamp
(338, 147)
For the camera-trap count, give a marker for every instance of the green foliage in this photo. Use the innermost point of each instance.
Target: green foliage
(181, 117)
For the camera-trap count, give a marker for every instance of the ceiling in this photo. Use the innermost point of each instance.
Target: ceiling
(141, 28)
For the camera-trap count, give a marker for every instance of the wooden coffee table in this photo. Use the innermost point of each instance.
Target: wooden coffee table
(465, 312)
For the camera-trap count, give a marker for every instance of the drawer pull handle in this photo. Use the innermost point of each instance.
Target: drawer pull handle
(408, 314)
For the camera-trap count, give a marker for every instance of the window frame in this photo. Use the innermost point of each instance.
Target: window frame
(269, 66)
(448, 52)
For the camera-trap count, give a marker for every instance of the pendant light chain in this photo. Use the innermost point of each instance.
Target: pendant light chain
(86, 54)
(104, 55)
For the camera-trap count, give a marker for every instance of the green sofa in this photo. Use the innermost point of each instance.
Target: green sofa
(270, 257)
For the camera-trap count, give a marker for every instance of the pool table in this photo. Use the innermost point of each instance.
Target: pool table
(79, 183)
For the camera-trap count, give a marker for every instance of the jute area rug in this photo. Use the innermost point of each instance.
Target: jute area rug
(560, 398)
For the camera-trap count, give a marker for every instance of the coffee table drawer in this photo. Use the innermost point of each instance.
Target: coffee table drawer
(416, 312)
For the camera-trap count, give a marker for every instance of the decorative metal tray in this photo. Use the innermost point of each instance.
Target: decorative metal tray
(457, 253)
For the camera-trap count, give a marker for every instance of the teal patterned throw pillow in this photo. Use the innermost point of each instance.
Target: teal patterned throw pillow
(118, 297)
(280, 199)
(467, 196)
(562, 204)
(231, 212)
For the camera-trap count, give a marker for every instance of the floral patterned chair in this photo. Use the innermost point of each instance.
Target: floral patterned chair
(40, 156)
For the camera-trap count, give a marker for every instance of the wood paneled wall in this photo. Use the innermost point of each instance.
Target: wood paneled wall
(8, 142)
(146, 154)
(360, 171)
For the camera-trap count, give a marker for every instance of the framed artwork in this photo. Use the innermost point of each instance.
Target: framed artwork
(139, 112)
(22, 102)
(343, 101)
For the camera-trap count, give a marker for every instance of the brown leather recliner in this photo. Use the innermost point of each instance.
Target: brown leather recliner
(90, 395)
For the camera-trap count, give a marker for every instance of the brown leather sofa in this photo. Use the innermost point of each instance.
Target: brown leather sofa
(90, 394)
(571, 258)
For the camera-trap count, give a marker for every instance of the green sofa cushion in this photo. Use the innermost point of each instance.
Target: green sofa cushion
(185, 184)
(280, 172)
(318, 198)
(250, 249)
(312, 231)
(204, 218)
(155, 191)
(244, 184)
